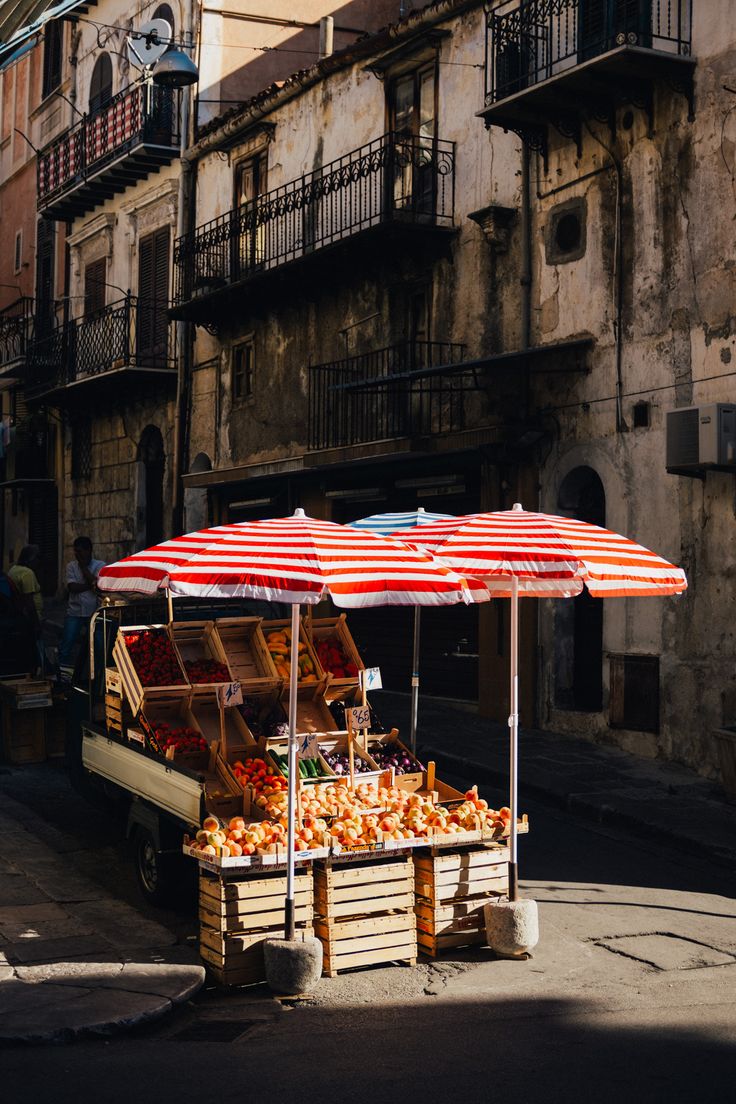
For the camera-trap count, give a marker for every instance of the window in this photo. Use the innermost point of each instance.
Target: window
(18, 253)
(249, 244)
(243, 369)
(565, 233)
(81, 448)
(153, 296)
(634, 693)
(52, 48)
(94, 287)
(100, 87)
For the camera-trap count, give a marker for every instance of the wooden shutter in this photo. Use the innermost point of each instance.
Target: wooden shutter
(94, 287)
(45, 242)
(153, 295)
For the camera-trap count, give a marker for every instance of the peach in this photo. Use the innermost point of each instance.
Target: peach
(236, 823)
(210, 824)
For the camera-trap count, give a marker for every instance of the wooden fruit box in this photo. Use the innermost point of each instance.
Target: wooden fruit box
(427, 784)
(340, 743)
(282, 749)
(131, 684)
(198, 640)
(237, 735)
(114, 713)
(275, 860)
(173, 709)
(113, 681)
(335, 629)
(249, 659)
(450, 925)
(238, 959)
(23, 735)
(391, 742)
(26, 693)
(463, 872)
(363, 889)
(320, 679)
(367, 941)
(253, 904)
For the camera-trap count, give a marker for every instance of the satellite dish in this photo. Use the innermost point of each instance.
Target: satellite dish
(150, 42)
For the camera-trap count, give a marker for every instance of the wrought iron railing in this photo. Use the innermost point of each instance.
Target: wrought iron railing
(395, 178)
(16, 321)
(531, 40)
(141, 114)
(132, 333)
(382, 395)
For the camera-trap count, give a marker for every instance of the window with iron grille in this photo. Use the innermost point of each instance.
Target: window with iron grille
(94, 287)
(153, 293)
(52, 48)
(81, 448)
(634, 693)
(243, 370)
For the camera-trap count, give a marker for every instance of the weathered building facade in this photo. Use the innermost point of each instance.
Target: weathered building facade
(397, 306)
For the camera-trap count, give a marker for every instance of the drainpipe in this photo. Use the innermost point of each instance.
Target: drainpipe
(526, 248)
(182, 331)
(326, 33)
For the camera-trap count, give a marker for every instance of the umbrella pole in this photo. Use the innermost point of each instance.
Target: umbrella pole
(415, 683)
(514, 738)
(289, 927)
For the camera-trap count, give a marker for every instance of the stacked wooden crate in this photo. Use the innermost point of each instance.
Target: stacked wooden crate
(364, 913)
(452, 886)
(238, 912)
(23, 729)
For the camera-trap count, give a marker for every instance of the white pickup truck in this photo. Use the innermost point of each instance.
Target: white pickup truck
(164, 800)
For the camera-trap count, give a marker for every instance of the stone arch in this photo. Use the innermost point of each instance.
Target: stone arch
(579, 622)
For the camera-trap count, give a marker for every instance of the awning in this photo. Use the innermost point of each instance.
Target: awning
(20, 20)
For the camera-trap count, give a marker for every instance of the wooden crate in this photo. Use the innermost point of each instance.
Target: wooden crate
(174, 709)
(369, 941)
(132, 686)
(363, 888)
(23, 734)
(390, 741)
(114, 713)
(236, 734)
(249, 658)
(451, 889)
(335, 742)
(238, 912)
(336, 629)
(194, 640)
(26, 693)
(320, 677)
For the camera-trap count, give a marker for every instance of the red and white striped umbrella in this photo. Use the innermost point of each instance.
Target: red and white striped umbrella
(294, 559)
(517, 554)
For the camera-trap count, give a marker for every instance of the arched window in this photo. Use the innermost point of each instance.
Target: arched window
(163, 11)
(100, 87)
(579, 621)
(151, 456)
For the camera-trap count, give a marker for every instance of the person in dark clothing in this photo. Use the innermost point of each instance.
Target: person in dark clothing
(18, 654)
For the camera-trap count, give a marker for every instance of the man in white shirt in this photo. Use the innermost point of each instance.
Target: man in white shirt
(81, 581)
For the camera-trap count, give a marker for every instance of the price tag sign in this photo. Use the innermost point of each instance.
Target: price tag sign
(308, 745)
(229, 694)
(359, 718)
(370, 679)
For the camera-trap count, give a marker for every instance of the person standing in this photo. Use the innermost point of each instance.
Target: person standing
(81, 581)
(24, 574)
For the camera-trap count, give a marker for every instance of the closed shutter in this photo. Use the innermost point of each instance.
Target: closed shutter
(94, 287)
(153, 294)
(45, 240)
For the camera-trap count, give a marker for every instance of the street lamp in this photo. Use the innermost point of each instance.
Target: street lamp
(175, 70)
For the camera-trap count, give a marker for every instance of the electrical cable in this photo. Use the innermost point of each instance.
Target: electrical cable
(635, 394)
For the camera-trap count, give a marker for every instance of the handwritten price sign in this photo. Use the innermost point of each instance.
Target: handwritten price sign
(370, 679)
(229, 694)
(359, 718)
(308, 745)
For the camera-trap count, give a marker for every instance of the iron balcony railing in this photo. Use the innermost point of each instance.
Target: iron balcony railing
(131, 333)
(395, 178)
(16, 321)
(382, 395)
(533, 40)
(143, 114)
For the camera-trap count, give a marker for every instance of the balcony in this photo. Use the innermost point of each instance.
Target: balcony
(16, 321)
(127, 343)
(559, 61)
(104, 153)
(424, 391)
(396, 185)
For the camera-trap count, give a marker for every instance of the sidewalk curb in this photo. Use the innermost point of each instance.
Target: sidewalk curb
(600, 813)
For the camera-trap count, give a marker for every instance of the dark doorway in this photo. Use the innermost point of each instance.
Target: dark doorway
(43, 530)
(151, 455)
(579, 621)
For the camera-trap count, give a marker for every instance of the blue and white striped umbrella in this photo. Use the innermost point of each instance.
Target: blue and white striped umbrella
(383, 524)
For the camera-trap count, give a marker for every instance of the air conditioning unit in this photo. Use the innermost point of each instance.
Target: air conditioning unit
(701, 438)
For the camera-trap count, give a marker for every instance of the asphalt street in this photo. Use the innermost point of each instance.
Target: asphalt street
(631, 992)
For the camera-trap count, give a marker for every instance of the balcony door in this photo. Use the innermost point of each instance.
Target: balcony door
(152, 323)
(605, 24)
(413, 123)
(249, 241)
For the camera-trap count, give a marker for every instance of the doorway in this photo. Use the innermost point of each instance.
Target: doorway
(152, 459)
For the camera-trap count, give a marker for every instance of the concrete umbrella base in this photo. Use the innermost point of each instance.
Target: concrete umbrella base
(512, 927)
(292, 966)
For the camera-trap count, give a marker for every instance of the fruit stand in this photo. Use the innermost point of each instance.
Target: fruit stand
(390, 860)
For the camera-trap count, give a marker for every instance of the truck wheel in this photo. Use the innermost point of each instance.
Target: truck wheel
(153, 869)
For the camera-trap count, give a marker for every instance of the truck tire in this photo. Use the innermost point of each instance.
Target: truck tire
(155, 871)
